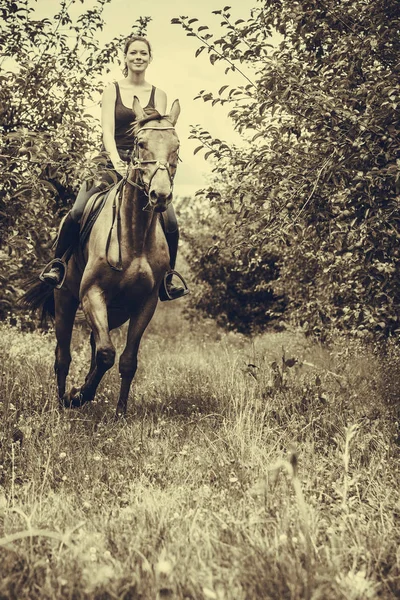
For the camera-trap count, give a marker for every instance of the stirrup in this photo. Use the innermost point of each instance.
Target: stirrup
(60, 263)
(164, 288)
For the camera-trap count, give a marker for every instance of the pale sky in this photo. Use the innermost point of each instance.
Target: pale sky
(175, 68)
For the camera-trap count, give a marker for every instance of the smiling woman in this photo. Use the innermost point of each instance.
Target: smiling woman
(117, 119)
(118, 98)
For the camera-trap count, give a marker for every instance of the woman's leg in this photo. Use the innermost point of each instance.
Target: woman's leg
(68, 235)
(169, 291)
(68, 238)
(85, 192)
(172, 234)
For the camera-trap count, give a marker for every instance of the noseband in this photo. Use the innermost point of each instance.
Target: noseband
(137, 163)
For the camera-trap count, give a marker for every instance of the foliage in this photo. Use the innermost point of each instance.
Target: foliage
(318, 181)
(227, 292)
(200, 493)
(49, 70)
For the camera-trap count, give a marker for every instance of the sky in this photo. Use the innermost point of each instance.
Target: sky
(175, 69)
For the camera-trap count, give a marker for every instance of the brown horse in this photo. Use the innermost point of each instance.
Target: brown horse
(129, 291)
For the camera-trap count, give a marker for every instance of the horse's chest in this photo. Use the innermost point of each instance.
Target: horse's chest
(140, 277)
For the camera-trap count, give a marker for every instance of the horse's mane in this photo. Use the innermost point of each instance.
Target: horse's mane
(154, 116)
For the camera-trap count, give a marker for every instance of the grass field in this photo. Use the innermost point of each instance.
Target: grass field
(246, 469)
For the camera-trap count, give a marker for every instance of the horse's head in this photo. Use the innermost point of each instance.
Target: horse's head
(155, 155)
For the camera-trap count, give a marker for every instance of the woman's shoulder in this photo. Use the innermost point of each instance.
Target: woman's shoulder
(110, 90)
(121, 83)
(159, 95)
(159, 92)
(160, 101)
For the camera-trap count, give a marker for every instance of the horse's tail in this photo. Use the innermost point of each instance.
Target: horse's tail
(39, 295)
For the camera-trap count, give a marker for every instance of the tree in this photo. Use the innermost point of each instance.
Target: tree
(318, 183)
(49, 69)
(228, 292)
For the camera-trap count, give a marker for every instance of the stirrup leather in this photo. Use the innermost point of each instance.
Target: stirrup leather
(170, 273)
(60, 263)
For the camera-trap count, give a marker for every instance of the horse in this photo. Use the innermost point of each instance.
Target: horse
(112, 294)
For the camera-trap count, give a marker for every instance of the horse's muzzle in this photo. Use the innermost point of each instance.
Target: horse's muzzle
(159, 202)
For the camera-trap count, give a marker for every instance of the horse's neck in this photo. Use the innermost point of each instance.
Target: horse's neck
(138, 222)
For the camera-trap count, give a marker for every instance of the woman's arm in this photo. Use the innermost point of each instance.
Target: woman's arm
(108, 127)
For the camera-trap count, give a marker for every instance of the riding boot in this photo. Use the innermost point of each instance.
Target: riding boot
(68, 237)
(168, 290)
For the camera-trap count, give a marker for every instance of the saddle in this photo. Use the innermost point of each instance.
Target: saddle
(92, 210)
(91, 213)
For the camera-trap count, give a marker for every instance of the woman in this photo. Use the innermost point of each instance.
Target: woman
(116, 121)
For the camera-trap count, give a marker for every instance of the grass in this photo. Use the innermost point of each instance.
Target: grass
(246, 469)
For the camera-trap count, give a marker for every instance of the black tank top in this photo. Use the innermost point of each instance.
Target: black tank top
(124, 119)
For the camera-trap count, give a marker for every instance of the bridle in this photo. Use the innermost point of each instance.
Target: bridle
(136, 163)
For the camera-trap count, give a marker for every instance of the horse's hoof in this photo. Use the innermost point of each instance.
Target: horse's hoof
(73, 398)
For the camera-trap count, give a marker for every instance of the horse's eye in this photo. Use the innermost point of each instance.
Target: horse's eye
(141, 145)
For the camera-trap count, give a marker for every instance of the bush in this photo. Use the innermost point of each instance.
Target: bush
(318, 176)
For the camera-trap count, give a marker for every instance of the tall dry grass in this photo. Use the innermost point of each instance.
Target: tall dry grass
(246, 469)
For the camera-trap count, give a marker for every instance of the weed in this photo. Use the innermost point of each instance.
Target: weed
(246, 469)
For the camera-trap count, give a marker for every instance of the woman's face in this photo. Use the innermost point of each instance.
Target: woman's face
(137, 57)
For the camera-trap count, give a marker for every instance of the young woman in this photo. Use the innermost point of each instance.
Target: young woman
(116, 120)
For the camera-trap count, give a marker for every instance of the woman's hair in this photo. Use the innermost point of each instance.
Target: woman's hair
(129, 41)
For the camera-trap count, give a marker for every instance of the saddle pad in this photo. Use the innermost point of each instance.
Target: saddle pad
(92, 210)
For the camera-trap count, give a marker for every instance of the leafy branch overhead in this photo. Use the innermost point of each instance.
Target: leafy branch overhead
(316, 182)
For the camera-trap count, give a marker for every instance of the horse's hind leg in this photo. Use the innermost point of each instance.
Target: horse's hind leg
(128, 360)
(103, 351)
(65, 309)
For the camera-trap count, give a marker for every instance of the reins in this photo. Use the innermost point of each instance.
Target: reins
(116, 219)
(135, 163)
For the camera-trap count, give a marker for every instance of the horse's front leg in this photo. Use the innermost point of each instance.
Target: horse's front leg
(103, 351)
(128, 360)
(66, 306)
(92, 356)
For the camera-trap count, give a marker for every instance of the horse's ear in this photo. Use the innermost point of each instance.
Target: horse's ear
(174, 112)
(137, 109)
